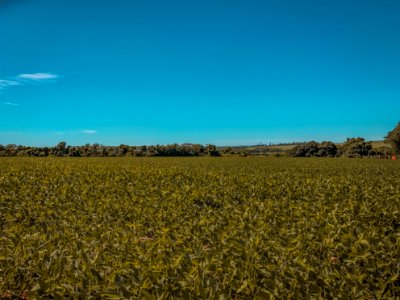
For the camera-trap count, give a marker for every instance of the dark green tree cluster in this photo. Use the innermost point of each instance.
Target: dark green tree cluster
(393, 138)
(97, 150)
(356, 147)
(314, 149)
(353, 147)
(382, 151)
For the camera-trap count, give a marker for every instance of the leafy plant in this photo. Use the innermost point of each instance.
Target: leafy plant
(199, 228)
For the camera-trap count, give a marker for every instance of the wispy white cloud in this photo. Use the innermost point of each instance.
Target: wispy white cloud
(27, 79)
(38, 76)
(10, 104)
(89, 131)
(7, 83)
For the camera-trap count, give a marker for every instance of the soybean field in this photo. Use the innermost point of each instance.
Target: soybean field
(199, 228)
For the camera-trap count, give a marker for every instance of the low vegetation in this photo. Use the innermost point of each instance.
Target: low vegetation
(352, 148)
(97, 150)
(393, 138)
(199, 228)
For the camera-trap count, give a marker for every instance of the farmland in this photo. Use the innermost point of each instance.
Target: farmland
(199, 228)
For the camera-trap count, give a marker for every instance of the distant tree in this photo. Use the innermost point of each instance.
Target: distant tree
(44, 151)
(11, 150)
(327, 149)
(151, 151)
(94, 149)
(74, 152)
(60, 149)
(103, 151)
(227, 150)
(212, 150)
(198, 149)
(313, 149)
(61, 146)
(305, 150)
(139, 151)
(123, 150)
(143, 149)
(382, 151)
(393, 138)
(85, 150)
(356, 147)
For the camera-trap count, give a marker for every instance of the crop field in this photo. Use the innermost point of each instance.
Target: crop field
(199, 228)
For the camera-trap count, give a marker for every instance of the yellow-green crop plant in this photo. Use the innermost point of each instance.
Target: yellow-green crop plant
(199, 228)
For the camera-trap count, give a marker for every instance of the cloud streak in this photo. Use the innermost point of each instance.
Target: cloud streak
(38, 76)
(10, 104)
(27, 79)
(89, 131)
(7, 83)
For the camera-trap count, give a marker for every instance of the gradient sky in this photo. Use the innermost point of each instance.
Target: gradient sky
(222, 72)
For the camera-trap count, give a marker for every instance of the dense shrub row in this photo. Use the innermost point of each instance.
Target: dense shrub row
(353, 147)
(97, 150)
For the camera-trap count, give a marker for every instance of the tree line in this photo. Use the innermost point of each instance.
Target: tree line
(97, 150)
(352, 147)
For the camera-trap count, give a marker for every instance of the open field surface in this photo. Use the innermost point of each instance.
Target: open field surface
(199, 228)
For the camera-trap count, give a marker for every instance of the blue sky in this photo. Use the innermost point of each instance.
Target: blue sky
(222, 72)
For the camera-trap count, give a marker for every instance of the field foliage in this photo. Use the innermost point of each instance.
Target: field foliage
(199, 228)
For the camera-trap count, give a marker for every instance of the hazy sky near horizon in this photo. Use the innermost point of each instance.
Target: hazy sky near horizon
(221, 72)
